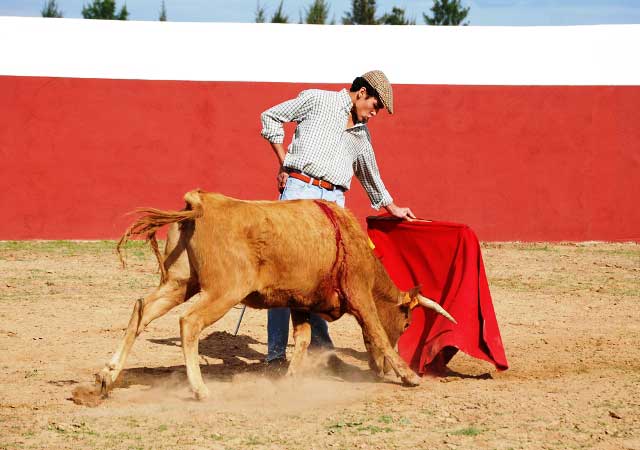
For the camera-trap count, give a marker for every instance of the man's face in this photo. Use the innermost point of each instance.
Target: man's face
(365, 106)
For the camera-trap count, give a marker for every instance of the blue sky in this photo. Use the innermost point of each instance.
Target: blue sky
(483, 12)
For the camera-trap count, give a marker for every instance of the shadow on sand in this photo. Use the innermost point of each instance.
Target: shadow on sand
(239, 358)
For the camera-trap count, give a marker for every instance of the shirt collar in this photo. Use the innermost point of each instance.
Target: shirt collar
(345, 100)
(346, 104)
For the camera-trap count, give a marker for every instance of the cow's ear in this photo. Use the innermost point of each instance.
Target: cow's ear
(408, 301)
(414, 291)
(413, 295)
(407, 297)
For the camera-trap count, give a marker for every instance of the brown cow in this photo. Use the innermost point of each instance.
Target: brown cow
(311, 256)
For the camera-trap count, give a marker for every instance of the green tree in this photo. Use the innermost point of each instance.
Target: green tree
(51, 9)
(318, 12)
(396, 17)
(104, 9)
(363, 12)
(163, 13)
(278, 16)
(260, 14)
(447, 12)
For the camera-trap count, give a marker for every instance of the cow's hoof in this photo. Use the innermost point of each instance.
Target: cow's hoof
(411, 380)
(377, 366)
(105, 380)
(202, 393)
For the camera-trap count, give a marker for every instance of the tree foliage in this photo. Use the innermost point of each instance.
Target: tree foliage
(163, 13)
(260, 14)
(279, 16)
(51, 9)
(363, 12)
(104, 9)
(396, 17)
(318, 12)
(447, 12)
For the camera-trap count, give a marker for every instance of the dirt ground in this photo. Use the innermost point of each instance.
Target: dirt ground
(569, 316)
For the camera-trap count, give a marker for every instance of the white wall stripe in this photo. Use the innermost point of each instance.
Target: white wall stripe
(579, 55)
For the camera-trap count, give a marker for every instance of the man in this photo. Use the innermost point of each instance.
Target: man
(330, 145)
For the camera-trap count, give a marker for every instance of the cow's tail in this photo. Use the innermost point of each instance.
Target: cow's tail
(153, 219)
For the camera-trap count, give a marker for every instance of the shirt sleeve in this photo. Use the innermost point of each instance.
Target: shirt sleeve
(366, 169)
(294, 110)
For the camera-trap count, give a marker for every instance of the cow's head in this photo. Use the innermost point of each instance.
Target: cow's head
(397, 323)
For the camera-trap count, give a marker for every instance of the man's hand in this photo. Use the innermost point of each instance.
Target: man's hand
(282, 179)
(282, 176)
(402, 213)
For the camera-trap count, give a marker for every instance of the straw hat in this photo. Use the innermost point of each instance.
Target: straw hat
(378, 80)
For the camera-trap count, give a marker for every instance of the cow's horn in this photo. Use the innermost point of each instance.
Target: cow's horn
(428, 303)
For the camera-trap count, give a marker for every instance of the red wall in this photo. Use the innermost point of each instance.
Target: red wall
(515, 163)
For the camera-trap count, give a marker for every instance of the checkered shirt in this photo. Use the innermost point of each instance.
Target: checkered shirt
(322, 146)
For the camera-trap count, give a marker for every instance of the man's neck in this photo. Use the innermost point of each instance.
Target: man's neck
(350, 123)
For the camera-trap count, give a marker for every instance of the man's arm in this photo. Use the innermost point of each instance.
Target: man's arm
(294, 110)
(366, 169)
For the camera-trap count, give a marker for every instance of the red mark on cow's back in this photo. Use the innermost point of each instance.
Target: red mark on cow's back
(335, 274)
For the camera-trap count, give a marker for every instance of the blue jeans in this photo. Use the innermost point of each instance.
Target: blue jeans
(278, 318)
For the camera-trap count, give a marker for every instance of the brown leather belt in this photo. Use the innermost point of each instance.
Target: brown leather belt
(307, 179)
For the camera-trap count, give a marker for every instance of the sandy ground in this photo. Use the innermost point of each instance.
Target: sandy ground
(569, 316)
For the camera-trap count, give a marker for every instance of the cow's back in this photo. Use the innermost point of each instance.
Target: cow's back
(289, 246)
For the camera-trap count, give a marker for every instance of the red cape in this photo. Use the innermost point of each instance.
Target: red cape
(445, 260)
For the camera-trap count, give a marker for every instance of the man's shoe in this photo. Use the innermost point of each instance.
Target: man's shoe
(276, 367)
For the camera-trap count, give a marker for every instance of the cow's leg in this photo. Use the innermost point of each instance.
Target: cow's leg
(205, 311)
(156, 304)
(378, 345)
(376, 356)
(301, 337)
